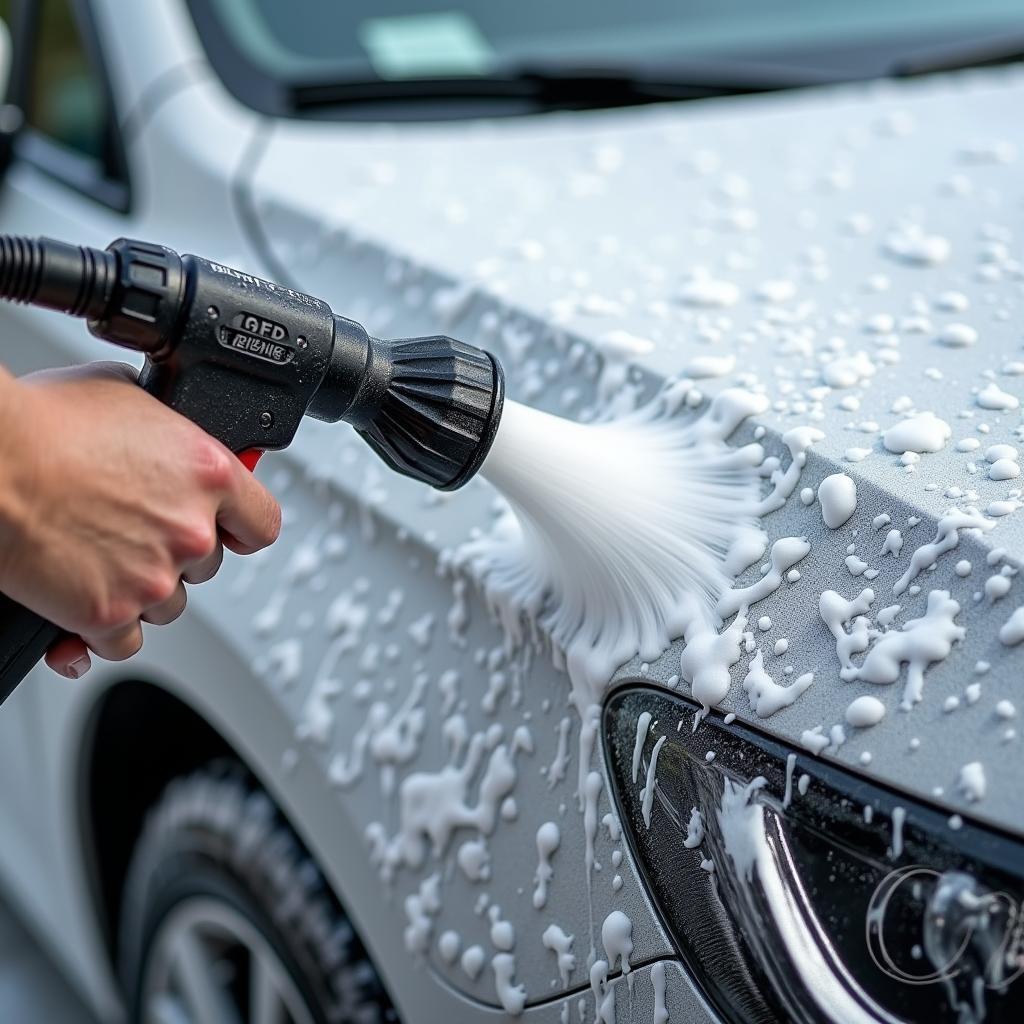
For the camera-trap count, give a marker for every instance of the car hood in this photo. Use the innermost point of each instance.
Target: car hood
(850, 251)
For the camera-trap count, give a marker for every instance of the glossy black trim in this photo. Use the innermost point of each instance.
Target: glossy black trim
(72, 169)
(721, 936)
(517, 92)
(107, 182)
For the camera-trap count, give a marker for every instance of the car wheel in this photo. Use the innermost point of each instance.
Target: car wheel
(226, 918)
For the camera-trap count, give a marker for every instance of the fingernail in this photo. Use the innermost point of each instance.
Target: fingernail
(78, 667)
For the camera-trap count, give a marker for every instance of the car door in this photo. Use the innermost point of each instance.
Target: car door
(67, 179)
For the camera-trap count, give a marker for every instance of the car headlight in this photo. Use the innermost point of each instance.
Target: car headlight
(797, 891)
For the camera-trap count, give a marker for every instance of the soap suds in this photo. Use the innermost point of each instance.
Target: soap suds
(561, 945)
(694, 830)
(617, 939)
(658, 984)
(836, 612)
(642, 723)
(647, 794)
(918, 644)
(548, 839)
(609, 579)
(947, 536)
(1011, 632)
(472, 962)
(766, 695)
(511, 996)
(448, 946)
(921, 433)
(785, 553)
(434, 805)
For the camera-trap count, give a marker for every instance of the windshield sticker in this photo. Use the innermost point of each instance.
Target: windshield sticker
(424, 45)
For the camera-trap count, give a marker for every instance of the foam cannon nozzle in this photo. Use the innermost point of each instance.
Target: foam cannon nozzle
(429, 407)
(246, 359)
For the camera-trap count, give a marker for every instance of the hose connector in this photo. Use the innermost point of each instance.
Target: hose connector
(130, 292)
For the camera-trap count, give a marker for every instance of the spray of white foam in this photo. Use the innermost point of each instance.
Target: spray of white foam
(617, 532)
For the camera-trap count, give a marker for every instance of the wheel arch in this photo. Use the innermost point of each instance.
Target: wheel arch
(138, 737)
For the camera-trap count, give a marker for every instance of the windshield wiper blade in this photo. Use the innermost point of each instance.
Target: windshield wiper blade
(573, 88)
(980, 53)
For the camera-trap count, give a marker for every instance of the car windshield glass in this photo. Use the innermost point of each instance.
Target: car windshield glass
(359, 40)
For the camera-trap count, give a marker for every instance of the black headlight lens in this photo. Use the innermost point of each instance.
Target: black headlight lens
(847, 903)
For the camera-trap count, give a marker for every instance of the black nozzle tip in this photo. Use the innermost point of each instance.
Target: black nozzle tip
(430, 408)
(486, 436)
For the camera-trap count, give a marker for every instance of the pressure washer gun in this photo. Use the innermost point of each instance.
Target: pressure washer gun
(246, 359)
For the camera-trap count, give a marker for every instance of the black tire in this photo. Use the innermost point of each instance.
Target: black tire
(215, 834)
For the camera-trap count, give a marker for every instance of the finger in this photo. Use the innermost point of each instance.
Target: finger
(248, 514)
(118, 645)
(104, 368)
(205, 568)
(69, 657)
(112, 368)
(167, 611)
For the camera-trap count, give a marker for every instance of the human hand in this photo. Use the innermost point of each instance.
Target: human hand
(109, 501)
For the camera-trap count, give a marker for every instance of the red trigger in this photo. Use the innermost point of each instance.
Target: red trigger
(250, 457)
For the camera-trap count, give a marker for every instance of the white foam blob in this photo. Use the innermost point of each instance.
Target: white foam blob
(923, 432)
(911, 244)
(837, 495)
(994, 397)
(847, 371)
(511, 996)
(710, 366)
(548, 839)
(1004, 469)
(561, 945)
(710, 292)
(617, 939)
(865, 711)
(1011, 632)
(448, 946)
(957, 335)
(972, 781)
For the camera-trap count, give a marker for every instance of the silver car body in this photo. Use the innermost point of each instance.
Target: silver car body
(541, 237)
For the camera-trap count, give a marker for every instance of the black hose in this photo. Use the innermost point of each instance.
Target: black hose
(74, 279)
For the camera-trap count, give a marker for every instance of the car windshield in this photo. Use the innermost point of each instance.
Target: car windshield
(781, 41)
